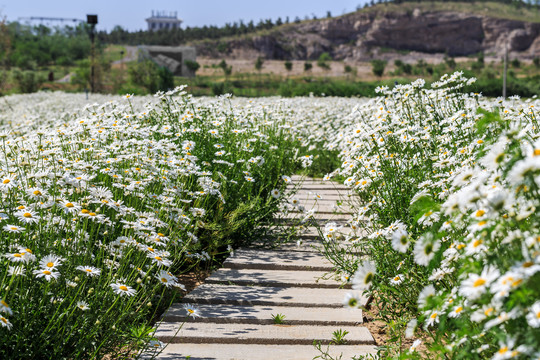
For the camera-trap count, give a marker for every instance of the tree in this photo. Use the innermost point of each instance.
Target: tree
(288, 65)
(192, 65)
(378, 66)
(536, 62)
(259, 64)
(5, 49)
(227, 70)
(323, 60)
(145, 74)
(307, 66)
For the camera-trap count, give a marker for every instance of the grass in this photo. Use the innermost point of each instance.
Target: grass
(114, 53)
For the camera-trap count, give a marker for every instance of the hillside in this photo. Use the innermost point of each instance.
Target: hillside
(455, 29)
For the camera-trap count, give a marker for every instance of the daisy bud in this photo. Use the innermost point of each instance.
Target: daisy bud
(77, 278)
(7, 288)
(90, 291)
(139, 280)
(149, 304)
(113, 327)
(98, 322)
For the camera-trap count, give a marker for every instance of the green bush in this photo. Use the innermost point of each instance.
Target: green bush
(193, 66)
(377, 67)
(288, 65)
(323, 60)
(27, 81)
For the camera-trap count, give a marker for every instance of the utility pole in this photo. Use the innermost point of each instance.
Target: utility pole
(505, 68)
(92, 20)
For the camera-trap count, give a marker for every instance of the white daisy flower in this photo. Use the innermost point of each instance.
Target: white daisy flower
(364, 275)
(192, 310)
(89, 270)
(533, 316)
(123, 290)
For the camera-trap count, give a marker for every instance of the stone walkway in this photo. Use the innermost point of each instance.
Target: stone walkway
(237, 303)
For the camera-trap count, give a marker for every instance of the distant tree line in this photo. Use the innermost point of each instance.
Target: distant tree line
(518, 3)
(28, 47)
(177, 36)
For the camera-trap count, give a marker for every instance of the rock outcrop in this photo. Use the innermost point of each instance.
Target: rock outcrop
(361, 35)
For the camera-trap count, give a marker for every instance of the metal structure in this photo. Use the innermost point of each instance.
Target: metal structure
(92, 20)
(43, 19)
(162, 20)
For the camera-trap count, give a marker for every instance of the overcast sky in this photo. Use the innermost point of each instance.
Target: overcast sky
(131, 14)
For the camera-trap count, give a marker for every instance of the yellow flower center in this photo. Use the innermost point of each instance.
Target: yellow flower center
(27, 215)
(164, 280)
(459, 309)
(84, 211)
(477, 243)
(488, 311)
(17, 255)
(503, 350)
(479, 282)
(50, 264)
(6, 181)
(479, 213)
(536, 152)
(433, 316)
(47, 272)
(123, 288)
(158, 258)
(37, 192)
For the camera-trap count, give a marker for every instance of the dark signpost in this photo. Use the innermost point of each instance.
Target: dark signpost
(92, 20)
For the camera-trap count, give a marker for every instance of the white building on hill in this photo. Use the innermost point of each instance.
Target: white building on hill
(163, 20)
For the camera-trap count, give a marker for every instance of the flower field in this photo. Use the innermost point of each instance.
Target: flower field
(105, 204)
(449, 183)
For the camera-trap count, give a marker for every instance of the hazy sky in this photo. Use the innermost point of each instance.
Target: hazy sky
(131, 14)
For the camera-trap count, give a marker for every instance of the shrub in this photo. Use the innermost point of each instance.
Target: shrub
(377, 67)
(288, 65)
(259, 63)
(193, 66)
(323, 60)
(27, 81)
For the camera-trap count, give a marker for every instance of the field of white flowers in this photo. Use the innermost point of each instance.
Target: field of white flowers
(450, 218)
(104, 204)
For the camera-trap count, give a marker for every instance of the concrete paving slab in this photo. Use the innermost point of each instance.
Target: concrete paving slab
(309, 185)
(263, 315)
(260, 352)
(316, 216)
(272, 260)
(324, 207)
(272, 296)
(275, 278)
(258, 334)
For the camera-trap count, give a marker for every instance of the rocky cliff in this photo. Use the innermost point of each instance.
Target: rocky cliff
(364, 35)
